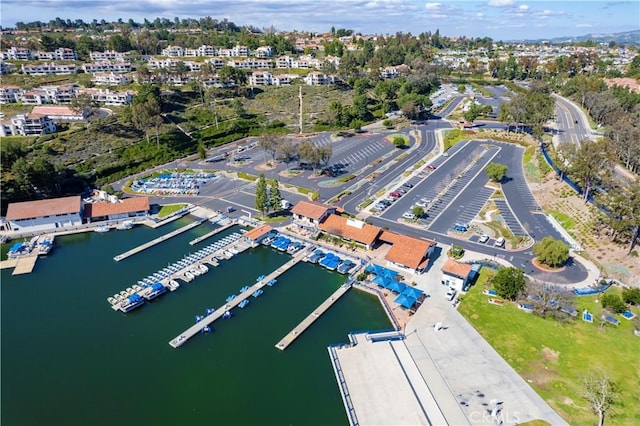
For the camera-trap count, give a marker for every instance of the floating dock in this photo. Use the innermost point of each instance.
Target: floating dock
(324, 306)
(158, 240)
(212, 233)
(196, 328)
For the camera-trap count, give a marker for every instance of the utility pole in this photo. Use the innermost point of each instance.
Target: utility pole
(300, 96)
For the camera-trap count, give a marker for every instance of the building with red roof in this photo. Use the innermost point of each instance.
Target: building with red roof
(45, 215)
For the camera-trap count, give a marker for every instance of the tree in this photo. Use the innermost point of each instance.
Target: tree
(547, 297)
(82, 103)
(287, 151)
(399, 142)
(509, 282)
(269, 143)
(202, 151)
(631, 295)
(613, 302)
(600, 392)
(589, 163)
(551, 252)
(146, 115)
(496, 171)
(262, 200)
(275, 196)
(308, 152)
(417, 211)
(325, 153)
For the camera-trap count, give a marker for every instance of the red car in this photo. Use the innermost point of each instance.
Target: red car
(431, 167)
(395, 194)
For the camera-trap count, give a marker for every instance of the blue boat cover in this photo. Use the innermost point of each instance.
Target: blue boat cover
(405, 301)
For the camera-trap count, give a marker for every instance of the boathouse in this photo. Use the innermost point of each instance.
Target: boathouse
(121, 209)
(257, 234)
(409, 253)
(44, 215)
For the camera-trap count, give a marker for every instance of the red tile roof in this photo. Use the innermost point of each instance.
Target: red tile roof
(128, 205)
(456, 269)
(310, 209)
(55, 110)
(41, 208)
(352, 229)
(258, 232)
(407, 251)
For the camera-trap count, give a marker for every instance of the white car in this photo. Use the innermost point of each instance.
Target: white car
(408, 215)
(451, 293)
(483, 238)
(499, 242)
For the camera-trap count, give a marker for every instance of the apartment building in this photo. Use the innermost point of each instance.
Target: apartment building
(320, 79)
(173, 51)
(203, 50)
(31, 124)
(60, 113)
(251, 64)
(49, 69)
(263, 52)
(110, 79)
(109, 55)
(18, 54)
(109, 97)
(107, 66)
(10, 94)
(264, 78)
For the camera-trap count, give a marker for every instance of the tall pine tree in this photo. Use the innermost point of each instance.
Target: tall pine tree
(275, 196)
(262, 200)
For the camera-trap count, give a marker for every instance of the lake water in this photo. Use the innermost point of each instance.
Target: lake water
(69, 359)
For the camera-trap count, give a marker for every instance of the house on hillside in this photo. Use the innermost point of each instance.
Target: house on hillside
(45, 215)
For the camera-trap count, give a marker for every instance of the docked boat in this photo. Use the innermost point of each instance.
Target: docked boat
(203, 268)
(195, 271)
(206, 329)
(230, 298)
(267, 241)
(316, 257)
(243, 289)
(258, 292)
(244, 303)
(102, 228)
(260, 278)
(272, 282)
(131, 302)
(345, 266)
(294, 247)
(189, 276)
(45, 246)
(173, 285)
(112, 300)
(127, 224)
(156, 290)
(227, 315)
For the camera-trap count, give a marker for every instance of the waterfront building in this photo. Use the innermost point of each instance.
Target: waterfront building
(45, 215)
(120, 209)
(351, 229)
(456, 275)
(310, 213)
(408, 253)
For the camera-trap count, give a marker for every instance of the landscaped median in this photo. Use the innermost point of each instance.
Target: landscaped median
(308, 192)
(555, 357)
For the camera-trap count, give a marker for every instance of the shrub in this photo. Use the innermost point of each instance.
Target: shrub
(496, 171)
(613, 302)
(399, 142)
(551, 252)
(631, 295)
(509, 282)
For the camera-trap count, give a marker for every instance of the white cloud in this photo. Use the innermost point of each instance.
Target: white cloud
(501, 3)
(432, 6)
(479, 14)
(523, 7)
(584, 25)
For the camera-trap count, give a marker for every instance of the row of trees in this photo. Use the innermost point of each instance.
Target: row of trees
(529, 110)
(268, 197)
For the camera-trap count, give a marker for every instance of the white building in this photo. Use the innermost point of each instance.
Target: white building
(263, 52)
(107, 66)
(173, 51)
(109, 55)
(18, 54)
(319, 79)
(251, 64)
(109, 97)
(45, 215)
(203, 50)
(10, 94)
(110, 79)
(264, 78)
(60, 113)
(31, 124)
(49, 69)
(456, 275)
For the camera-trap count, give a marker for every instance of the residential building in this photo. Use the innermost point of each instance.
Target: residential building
(319, 79)
(251, 64)
(10, 94)
(202, 51)
(264, 78)
(110, 79)
(109, 55)
(49, 69)
(6, 68)
(31, 124)
(45, 215)
(34, 97)
(263, 52)
(107, 66)
(109, 97)
(60, 113)
(214, 81)
(18, 54)
(173, 51)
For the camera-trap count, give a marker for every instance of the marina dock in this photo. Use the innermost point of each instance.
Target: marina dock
(196, 328)
(158, 240)
(305, 323)
(212, 233)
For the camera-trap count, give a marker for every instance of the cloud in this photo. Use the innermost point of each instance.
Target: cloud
(584, 25)
(501, 3)
(479, 14)
(432, 6)
(523, 7)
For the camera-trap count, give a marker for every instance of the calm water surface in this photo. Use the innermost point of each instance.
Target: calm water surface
(69, 359)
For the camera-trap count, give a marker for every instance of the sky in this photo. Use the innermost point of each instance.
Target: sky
(498, 19)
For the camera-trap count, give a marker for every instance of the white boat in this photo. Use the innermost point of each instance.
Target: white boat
(189, 276)
(112, 300)
(127, 224)
(195, 271)
(102, 228)
(173, 285)
(203, 268)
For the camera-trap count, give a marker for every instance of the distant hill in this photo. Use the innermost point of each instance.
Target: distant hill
(628, 37)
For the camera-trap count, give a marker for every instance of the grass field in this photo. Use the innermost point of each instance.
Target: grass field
(170, 209)
(554, 357)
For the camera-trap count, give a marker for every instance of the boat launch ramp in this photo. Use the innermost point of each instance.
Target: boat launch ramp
(209, 319)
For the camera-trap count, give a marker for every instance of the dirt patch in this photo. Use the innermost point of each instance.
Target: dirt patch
(544, 267)
(612, 259)
(540, 375)
(550, 355)
(265, 167)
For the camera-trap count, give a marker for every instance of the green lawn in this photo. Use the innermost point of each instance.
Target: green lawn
(169, 209)
(563, 219)
(554, 357)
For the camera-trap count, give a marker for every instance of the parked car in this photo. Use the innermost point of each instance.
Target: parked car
(499, 242)
(408, 215)
(431, 167)
(421, 204)
(451, 293)
(395, 194)
(401, 191)
(407, 185)
(483, 238)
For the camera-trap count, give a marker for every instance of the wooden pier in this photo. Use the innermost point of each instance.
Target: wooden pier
(196, 328)
(306, 323)
(158, 240)
(212, 233)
